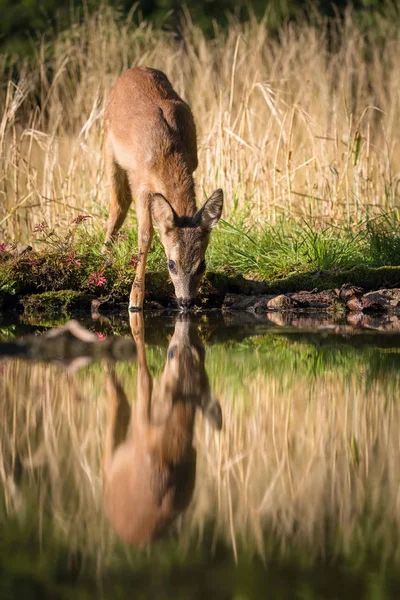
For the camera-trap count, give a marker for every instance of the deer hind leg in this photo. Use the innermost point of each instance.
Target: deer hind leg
(145, 236)
(121, 196)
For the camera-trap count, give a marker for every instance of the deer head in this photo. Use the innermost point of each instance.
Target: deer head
(185, 241)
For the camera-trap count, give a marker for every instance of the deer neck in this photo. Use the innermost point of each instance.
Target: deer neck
(179, 186)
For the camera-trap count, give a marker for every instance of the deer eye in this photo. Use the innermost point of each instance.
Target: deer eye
(171, 352)
(172, 266)
(202, 267)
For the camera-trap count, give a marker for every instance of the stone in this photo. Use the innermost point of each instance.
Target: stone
(261, 304)
(319, 300)
(348, 291)
(354, 304)
(280, 302)
(243, 302)
(351, 296)
(381, 300)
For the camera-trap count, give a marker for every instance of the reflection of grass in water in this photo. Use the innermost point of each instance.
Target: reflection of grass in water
(272, 354)
(51, 572)
(305, 467)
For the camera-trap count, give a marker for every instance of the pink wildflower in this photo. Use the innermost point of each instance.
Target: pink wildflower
(80, 218)
(97, 279)
(40, 227)
(134, 261)
(72, 260)
(101, 336)
(32, 261)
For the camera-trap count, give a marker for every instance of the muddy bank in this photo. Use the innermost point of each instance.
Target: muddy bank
(53, 284)
(347, 299)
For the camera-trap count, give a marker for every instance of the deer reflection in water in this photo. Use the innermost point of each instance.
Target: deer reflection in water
(149, 465)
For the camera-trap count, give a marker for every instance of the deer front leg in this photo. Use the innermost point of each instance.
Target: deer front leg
(145, 236)
(144, 380)
(119, 417)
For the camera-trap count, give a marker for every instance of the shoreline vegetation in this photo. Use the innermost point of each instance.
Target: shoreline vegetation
(66, 270)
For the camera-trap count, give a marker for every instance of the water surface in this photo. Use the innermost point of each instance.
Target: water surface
(279, 443)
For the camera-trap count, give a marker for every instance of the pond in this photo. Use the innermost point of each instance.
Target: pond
(225, 456)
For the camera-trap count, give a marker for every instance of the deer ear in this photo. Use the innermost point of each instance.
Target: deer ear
(210, 213)
(162, 213)
(213, 413)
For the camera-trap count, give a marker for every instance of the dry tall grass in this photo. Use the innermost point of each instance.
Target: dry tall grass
(314, 459)
(283, 122)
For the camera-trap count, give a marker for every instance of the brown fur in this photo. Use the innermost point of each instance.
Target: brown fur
(150, 152)
(149, 463)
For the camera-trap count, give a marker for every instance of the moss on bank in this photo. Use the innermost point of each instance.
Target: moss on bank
(53, 283)
(56, 303)
(41, 273)
(276, 258)
(368, 278)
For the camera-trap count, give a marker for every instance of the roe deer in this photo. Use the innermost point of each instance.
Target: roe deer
(149, 462)
(150, 152)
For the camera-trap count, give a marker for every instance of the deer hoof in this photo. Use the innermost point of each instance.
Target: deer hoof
(135, 308)
(136, 297)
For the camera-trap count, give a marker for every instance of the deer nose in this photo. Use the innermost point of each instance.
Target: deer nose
(185, 303)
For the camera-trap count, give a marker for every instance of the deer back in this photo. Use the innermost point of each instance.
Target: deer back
(150, 128)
